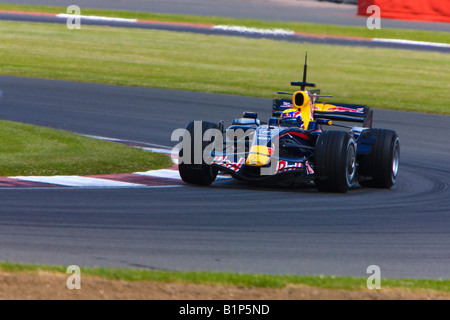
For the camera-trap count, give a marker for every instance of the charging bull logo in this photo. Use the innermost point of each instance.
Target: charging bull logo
(290, 115)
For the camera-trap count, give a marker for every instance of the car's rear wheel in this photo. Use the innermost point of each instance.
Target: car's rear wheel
(381, 166)
(190, 171)
(335, 162)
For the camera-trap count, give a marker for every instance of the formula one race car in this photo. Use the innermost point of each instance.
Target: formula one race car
(293, 146)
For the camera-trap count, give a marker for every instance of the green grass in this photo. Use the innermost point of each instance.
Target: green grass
(31, 150)
(327, 29)
(382, 78)
(235, 279)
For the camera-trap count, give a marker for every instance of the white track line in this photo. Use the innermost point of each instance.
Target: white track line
(162, 173)
(78, 181)
(247, 30)
(173, 153)
(412, 43)
(95, 18)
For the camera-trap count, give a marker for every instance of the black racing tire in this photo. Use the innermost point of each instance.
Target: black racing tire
(198, 174)
(335, 162)
(382, 164)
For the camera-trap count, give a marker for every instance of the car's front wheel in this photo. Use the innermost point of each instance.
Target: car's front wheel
(190, 171)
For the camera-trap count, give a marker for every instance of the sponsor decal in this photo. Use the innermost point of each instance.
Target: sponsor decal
(290, 115)
(343, 109)
(224, 162)
(286, 166)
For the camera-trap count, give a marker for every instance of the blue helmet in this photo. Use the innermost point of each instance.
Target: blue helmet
(291, 117)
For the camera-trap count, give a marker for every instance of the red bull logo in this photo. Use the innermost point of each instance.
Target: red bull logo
(290, 115)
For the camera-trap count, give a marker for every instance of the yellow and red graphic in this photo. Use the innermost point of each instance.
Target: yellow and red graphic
(334, 108)
(259, 156)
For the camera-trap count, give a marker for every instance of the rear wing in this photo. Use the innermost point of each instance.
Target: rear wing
(336, 111)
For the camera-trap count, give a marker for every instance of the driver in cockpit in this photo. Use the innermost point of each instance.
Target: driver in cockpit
(291, 117)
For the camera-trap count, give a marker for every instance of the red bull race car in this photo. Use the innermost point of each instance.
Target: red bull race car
(304, 141)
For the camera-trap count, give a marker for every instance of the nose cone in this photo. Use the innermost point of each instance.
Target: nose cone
(259, 156)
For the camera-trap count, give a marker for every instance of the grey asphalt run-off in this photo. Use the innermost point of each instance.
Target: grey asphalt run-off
(229, 226)
(281, 10)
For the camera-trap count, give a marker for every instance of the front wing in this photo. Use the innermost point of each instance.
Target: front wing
(283, 166)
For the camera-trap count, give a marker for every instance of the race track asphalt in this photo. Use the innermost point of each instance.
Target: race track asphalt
(229, 226)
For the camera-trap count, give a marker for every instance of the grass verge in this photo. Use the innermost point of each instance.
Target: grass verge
(382, 78)
(313, 28)
(27, 150)
(235, 279)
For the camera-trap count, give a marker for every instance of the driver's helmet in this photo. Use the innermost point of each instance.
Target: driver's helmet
(291, 117)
